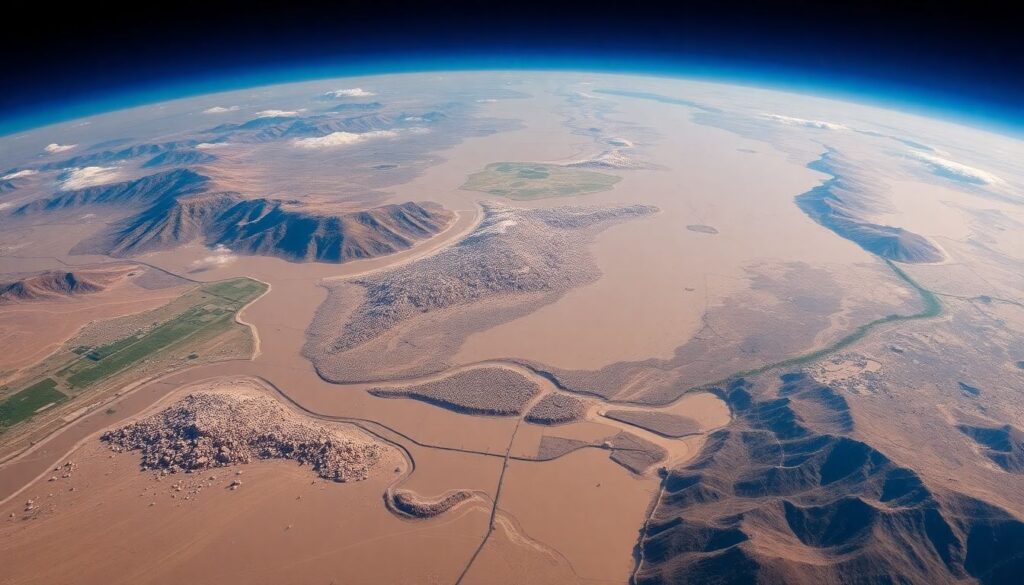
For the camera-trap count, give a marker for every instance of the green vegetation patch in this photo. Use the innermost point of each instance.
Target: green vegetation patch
(29, 401)
(526, 181)
(215, 307)
(202, 313)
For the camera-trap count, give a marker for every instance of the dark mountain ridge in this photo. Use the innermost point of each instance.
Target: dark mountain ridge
(781, 496)
(272, 227)
(147, 190)
(842, 203)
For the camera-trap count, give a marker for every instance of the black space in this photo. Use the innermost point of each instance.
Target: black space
(970, 52)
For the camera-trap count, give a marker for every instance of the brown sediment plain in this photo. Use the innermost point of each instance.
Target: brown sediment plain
(307, 531)
(788, 310)
(648, 264)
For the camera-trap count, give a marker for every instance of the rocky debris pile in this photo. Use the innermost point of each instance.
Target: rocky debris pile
(484, 391)
(556, 409)
(408, 503)
(218, 429)
(63, 471)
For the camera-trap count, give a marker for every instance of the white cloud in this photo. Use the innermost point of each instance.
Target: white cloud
(805, 123)
(279, 113)
(220, 109)
(55, 148)
(88, 177)
(486, 101)
(220, 255)
(342, 139)
(351, 92)
(20, 174)
(5, 205)
(955, 170)
(211, 145)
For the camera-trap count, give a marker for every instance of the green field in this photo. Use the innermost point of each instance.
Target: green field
(205, 312)
(525, 181)
(26, 402)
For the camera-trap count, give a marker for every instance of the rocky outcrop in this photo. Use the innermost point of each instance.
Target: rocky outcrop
(409, 504)
(218, 429)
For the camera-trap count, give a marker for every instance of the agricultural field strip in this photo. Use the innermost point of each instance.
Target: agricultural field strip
(96, 364)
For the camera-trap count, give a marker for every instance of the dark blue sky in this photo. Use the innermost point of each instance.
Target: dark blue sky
(963, 62)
